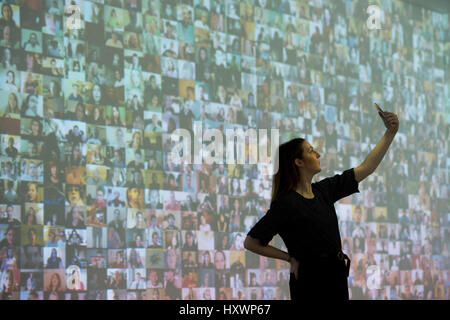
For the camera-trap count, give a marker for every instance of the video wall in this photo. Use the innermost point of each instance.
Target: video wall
(91, 205)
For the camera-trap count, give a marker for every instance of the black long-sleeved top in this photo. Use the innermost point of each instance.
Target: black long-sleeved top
(307, 226)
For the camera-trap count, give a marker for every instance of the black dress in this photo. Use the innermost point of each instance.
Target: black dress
(310, 231)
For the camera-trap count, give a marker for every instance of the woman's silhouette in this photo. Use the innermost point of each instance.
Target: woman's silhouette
(304, 216)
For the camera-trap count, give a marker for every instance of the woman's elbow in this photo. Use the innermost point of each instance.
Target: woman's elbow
(250, 243)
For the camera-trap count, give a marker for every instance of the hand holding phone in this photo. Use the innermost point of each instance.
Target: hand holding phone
(380, 111)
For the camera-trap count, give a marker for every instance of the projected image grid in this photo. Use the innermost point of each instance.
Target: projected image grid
(91, 205)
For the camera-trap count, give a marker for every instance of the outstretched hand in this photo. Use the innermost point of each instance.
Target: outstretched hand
(390, 119)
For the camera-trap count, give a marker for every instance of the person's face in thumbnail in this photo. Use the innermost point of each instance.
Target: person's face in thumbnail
(74, 195)
(55, 280)
(118, 258)
(10, 236)
(170, 275)
(33, 170)
(7, 13)
(206, 258)
(32, 103)
(33, 38)
(137, 177)
(6, 33)
(253, 281)
(96, 93)
(32, 149)
(10, 77)
(53, 170)
(51, 236)
(153, 277)
(155, 238)
(133, 194)
(219, 260)
(32, 192)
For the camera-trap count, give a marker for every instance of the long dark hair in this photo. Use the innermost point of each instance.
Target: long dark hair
(287, 176)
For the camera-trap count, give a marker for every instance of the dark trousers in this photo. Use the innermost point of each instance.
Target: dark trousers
(320, 279)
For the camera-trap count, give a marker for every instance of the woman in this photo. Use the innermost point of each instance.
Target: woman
(54, 262)
(135, 260)
(7, 61)
(76, 157)
(32, 251)
(74, 195)
(10, 82)
(12, 107)
(35, 129)
(55, 290)
(136, 140)
(96, 95)
(115, 118)
(32, 194)
(53, 175)
(30, 217)
(135, 198)
(75, 217)
(304, 216)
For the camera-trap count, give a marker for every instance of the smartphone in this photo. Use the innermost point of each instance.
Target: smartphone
(380, 111)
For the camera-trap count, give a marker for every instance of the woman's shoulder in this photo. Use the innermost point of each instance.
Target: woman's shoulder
(283, 202)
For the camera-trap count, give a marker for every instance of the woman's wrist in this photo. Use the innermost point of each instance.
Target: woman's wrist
(288, 259)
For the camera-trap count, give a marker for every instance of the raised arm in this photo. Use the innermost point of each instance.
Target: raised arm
(375, 156)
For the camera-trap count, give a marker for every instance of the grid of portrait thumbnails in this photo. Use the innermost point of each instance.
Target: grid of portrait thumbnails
(92, 205)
